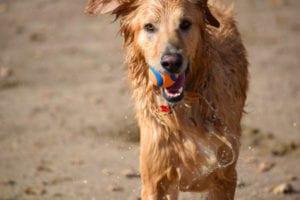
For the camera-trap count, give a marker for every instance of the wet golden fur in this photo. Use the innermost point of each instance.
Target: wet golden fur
(195, 148)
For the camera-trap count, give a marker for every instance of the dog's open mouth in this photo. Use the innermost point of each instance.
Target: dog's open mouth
(175, 93)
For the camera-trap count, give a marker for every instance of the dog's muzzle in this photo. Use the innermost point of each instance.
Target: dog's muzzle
(175, 93)
(172, 62)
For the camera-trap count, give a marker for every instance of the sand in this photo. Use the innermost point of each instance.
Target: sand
(67, 129)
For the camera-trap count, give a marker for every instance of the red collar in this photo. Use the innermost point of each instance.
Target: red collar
(165, 109)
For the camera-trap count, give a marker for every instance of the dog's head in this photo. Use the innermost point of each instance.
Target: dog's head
(168, 33)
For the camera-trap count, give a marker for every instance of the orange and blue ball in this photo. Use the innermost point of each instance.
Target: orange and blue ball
(160, 79)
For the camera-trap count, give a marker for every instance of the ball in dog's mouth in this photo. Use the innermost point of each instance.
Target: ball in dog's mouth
(175, 93)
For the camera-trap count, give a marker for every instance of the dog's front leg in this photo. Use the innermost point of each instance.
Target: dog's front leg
(159, 180)
(159, 193)
(223, 187)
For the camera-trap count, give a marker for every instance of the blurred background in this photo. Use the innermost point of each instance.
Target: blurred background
(67, 128)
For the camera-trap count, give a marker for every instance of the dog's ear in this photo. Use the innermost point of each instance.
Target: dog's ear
(101, 7)
(210, 18)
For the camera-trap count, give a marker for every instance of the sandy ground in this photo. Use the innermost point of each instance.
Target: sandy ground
(66, 120)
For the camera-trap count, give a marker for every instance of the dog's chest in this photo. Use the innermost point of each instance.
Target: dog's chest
(192, 158)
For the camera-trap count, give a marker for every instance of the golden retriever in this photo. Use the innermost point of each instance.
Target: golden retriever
(190, 131)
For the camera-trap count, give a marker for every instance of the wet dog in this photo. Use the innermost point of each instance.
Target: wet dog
(190, 131)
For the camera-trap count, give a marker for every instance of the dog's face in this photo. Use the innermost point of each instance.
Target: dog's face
(168, 33)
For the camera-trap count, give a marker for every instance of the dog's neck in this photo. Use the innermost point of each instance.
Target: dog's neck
(149, 101)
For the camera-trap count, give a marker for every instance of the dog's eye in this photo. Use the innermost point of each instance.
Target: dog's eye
(185, 25)
(149, 28)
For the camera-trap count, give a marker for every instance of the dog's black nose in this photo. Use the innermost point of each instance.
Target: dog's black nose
(171, 62)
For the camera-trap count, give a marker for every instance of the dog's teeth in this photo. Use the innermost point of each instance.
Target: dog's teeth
(173, 95)
(180, 90)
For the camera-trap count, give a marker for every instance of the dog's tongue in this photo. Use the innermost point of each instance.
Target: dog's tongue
(178, 84)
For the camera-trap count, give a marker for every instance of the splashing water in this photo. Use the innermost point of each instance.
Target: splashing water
(226, 135)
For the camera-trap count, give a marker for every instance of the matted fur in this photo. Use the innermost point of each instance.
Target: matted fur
(194, 148)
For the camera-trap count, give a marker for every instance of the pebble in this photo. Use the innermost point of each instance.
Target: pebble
(58, 195)
(57, 180)
(250, 160)
(37, 37)
(6, 72)
(35, 191)
(241, 184)
(130, 173)
(107, 172)
(44, 168)
(96, 100)
(114, 188)
(278, 2)
(264, 167)
(291, 178)
(77, 162)
(8, 182)
(284, 188)
(283, 149)
(133, 198)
